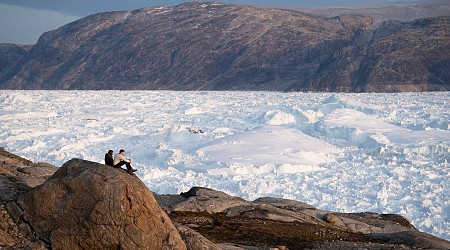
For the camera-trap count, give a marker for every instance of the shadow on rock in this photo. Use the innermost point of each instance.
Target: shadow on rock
(87, 205)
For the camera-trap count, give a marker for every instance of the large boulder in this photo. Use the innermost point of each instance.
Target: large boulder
(87, 205)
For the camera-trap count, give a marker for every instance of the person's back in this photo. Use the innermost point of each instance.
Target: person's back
(109, 158)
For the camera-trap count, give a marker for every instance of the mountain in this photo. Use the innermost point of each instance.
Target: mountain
(401, 12)
(398, 57)
(214, 46)
(10, 55)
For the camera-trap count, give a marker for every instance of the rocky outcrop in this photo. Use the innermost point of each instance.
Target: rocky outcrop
(85, 205)
(18, 175)
(214, 46)
(194, 240)
(270, 222)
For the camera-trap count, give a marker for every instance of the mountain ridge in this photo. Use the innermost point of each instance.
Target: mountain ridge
(215, 46)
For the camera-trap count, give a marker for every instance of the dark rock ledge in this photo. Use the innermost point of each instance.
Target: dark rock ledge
(86, 205)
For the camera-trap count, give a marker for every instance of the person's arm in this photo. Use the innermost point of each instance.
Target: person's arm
(122, 158)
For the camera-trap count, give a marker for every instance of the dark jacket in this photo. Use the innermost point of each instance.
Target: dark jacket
(109, 160)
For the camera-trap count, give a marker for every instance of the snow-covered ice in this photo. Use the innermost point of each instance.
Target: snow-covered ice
(385, 153)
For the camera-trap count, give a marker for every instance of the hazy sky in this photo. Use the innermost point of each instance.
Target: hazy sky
(23, 21)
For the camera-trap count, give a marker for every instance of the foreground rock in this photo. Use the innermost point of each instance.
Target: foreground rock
(18, 175)
(85, 205)
(214, 46)
(270, 222)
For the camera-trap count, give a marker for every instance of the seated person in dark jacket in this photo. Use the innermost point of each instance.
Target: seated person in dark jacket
(109, 158)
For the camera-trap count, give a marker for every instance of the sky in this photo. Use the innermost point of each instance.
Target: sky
(23, 21)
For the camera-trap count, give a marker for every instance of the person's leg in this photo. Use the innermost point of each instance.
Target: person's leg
(120, 164)
(128, 166)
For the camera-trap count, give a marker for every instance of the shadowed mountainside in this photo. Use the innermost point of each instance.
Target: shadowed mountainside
(213, 46)
(10, 55)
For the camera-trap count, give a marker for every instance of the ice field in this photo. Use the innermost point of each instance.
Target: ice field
(384, 153)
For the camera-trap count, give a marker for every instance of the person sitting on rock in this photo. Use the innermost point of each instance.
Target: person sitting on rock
(109, 161)
(120, 160)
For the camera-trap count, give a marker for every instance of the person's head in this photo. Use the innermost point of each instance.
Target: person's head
(121, 151)
(110, 152)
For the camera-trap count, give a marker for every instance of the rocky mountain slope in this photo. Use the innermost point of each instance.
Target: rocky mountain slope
(87, 205)
(402, 12)
(10, 55)
(214, 46)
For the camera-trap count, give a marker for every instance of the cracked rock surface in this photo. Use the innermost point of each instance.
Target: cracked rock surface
(273, 223)
(92, 206)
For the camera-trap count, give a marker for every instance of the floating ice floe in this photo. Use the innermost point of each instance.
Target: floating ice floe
(269, 144)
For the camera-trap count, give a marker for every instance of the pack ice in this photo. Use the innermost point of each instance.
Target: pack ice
(386, 153)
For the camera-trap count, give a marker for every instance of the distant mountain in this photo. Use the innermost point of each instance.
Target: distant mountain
(10, 55)
(403, 12)
(214, 46)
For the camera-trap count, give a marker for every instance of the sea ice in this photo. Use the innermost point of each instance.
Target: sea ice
(386, 153)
